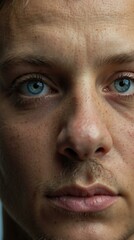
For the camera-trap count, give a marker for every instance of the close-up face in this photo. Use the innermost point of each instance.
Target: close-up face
(67, 148)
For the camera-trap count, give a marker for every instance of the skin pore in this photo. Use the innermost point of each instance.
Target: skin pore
(66, 116)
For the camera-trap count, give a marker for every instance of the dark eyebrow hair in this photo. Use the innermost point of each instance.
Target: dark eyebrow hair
(39, 60)
(10, 61)
(121, 58)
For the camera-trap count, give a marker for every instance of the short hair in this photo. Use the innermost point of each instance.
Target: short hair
(11, 3)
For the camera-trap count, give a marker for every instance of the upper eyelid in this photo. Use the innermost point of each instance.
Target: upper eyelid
(35, 75)
(60, 83)
(49, 83)
(18, 65)
(26, 78)
(119, 75)
(128, 75)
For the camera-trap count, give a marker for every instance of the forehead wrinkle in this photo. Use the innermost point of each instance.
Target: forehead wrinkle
(88, 10)
(68, 10)
(37, 14)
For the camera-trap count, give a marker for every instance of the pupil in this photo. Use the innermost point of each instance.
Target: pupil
(122, 83)
(36, 85)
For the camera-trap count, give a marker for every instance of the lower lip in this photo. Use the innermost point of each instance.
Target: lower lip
(84, 204)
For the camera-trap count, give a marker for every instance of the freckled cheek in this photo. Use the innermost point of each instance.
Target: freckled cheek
(124, 143)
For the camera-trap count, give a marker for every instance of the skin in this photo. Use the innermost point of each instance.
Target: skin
(80, 131)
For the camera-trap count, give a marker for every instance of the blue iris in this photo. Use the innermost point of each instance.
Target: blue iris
(33, 88)
(122, 85)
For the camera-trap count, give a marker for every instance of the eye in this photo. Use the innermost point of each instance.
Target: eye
(34, 85)
(34, 88)
(123, 85)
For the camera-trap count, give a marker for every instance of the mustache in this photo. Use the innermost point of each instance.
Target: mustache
(73, 171)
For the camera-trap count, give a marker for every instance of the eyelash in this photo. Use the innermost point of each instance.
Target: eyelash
(15, 86)
(121, 76)
(23, 101)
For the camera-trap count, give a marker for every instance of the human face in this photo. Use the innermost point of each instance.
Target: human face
(73, 137)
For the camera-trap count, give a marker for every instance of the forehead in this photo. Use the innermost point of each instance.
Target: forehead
(74, 11)
(70, 23)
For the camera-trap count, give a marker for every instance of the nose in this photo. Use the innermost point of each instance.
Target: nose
(85, 134)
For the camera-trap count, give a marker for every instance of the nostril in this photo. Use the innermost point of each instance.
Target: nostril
(100, 150)
(70, 152)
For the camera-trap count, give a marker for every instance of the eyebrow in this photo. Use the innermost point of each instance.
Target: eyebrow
(122, 58)
(51, 63)
(10, 61)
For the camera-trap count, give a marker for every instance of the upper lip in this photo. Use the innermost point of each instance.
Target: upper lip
(78, 191)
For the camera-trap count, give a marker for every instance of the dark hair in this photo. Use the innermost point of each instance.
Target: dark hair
(2, 2)
(10, 3)
(6, 3)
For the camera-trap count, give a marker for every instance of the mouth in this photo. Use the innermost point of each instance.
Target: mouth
(78, 199)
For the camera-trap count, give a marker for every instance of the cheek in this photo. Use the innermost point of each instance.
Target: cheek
(25, 155)
(122, 132)
(126, 145)
(25, 162)
(123, 166)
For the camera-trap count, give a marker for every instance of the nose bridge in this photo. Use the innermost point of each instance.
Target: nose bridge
(87, 110)
(87, 115)
(85, 131)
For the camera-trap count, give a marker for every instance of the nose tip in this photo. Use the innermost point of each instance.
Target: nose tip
(78, 144)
